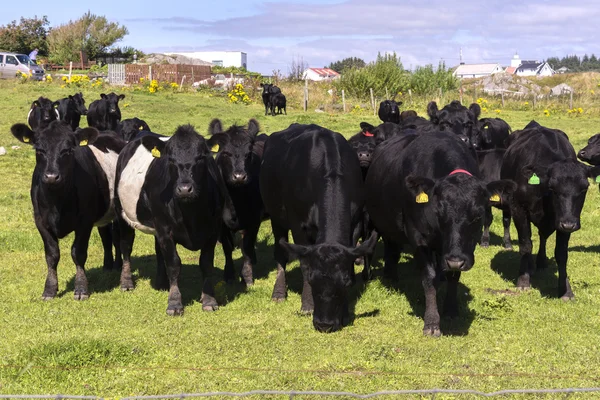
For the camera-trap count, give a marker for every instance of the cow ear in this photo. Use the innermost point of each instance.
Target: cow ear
(432, 111)
(533, 175)
(86, 136)
(70, 98)
(294, 251)
(366, 247)
(500, 191)
(23, 133)
(475, 109)
(154, 145)
(56, 104)
(399, 103)
(216, 142)
(144, 125)
(102, 96)
(592, 171)
(366, 127)
(420, 187)
(121, 97)
(215, 127)
(253, 128)
(35, 104)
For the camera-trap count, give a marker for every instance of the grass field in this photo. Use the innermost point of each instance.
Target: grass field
(118, 344)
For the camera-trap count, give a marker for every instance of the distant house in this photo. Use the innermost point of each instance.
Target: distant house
(477, 70)
(534, 68)
(562, 70)
(320, 74)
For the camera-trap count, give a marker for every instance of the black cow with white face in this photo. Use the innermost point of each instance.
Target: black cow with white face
(591, 153)
(104, 114)
(131, 128)
(389, 111)
(238, 156)
(70, 109)
(72, 191)
(173, 190)
(456, 118)
(311, 184)
(41, 114)
(425, 190)
(551, 190)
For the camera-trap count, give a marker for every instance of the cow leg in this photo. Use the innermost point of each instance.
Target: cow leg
(487, 221)
(79, 255)
(207, 259)
(284, 111)
(451, 302)
(541, 261)
(506, 224)
(356, 235)
(391, 254)
(227, 244)
(173, 264)
(266, 108)
(126, 237)
(249, 253)
(426, 262)
(525, 246)
(280, 288)
(52, 252)
(116, 237)
(308, 303)
(162, 280)
(561, 255)
(107, 244)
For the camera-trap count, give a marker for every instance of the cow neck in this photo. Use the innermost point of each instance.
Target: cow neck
(460, 171)
(333, 216)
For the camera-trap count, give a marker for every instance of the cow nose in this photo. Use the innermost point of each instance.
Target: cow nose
(185, 189)
(364, 156)
(455, 263)
(568, 226)
(325, 328)
(581, 153)
(51, 178)
(239, 177)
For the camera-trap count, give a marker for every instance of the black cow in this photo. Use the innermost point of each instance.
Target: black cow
(130, 128)
(425, 190)
(389, 111)
(72, 191)
(591, 153)
(70, 109)
(456, 118)
(278, 101)
(104, 114)
(41, 114)
(311, 184)
(173, 190)
(239, 154)
(268, 90)
(492, 133)
(406, 114)
(551, 190)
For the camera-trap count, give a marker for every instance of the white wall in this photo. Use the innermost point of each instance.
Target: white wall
(228, 58)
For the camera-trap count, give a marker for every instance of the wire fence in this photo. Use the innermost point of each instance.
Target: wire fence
(291, 394)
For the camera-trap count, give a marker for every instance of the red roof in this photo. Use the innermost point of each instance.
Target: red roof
(510, 70)
(324, 71)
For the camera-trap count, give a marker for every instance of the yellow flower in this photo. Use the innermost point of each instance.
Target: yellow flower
(484, 109)
(526, 103)
(497, 111)
(580, 110)
(592, 92)
(546, 113)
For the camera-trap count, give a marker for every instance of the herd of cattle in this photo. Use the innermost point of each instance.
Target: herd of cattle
(424, 185)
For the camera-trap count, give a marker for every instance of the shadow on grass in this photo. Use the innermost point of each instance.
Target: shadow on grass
(586, 249)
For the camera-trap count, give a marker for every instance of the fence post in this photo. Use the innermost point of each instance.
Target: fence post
(441, 96)
(387, 96)
(372, 100)
(305, 95)
(181, 85)
(410, 96)
(571, 101)
(502, 93)
(343, 100)
(534, 100)
(71, 69)
(475, 95)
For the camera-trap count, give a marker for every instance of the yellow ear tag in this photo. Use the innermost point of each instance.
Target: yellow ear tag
(141, 128)
(155, 152)
(215, 148)
(495, 197)
(84, 142)
(25, 139)
(422, 198)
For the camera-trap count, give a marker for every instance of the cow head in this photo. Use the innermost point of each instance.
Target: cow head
(389, 111)
(269, 88)
(54, 149)
(79, 103)
(112, 100)
(456, 207)
(591, 153)
(566, 181)
(234, 150)
(364, 143)
(455, 118)
(491, 133)
(330, 266)
(42, 113)
(129, 128)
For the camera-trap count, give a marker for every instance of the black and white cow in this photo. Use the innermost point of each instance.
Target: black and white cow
(72, 191)
(41, 114)
(70, 109)
(311, 184)
(104, 114)
(173, 190)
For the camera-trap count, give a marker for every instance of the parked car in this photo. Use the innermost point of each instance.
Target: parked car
(12, 63)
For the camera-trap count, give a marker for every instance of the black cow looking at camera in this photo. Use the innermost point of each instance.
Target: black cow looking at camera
(311, 184)
(268, 91)
(551, 190)
(70, 109)
(104, 114)
(389, 111)
(41, 114)
(72, 191)
(239, 154)
(173, 190)
(492, 133)
(456, 118)
(130, 128)
(424, 189)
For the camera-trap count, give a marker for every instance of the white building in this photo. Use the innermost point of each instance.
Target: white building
(219, 58)
(320, 74)
(477, 70)
(529, 68)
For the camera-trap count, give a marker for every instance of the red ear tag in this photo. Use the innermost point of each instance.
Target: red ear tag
(367, 133)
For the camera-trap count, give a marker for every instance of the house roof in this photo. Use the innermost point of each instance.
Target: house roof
(475, 69)
(510, 70)
(324, 72)
(529, 65)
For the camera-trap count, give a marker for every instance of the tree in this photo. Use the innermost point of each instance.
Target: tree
(297, 68)
(347, 63)
(90, 33)
(23, 37)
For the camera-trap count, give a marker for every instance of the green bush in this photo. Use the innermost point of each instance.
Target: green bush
(426, 81)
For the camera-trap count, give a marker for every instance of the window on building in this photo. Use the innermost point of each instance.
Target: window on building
(218, 63)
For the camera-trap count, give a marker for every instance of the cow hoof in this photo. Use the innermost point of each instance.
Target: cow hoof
(485, 245)
(81, 296)
(47, 297)
(210, 307)
(127, 287)
(175, 311)
(306, 311)
(524, 288)
(433, 331)
(359, 261)
(278, 299)
(568, 297)
(508, 247)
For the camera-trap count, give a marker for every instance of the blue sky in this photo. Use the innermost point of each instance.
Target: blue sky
(273, 33)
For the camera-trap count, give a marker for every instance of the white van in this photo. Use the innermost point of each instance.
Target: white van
(10, 63)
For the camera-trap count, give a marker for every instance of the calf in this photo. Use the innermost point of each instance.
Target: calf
(278, 101)
(72, 191)
(591, 153)
(239, 154)
(41, 114)
(268, 90)
(389, 111)
(425, 190)
(551, 190)
(492, 133)
(70, 109)
(173, 190)
(311, 184)
(456, 118)
(130, 128)
(104, 114)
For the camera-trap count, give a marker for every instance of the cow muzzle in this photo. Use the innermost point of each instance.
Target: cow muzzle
(568, 226)
(185, 191)
(455, 263)
(239, 178)
(52, 178)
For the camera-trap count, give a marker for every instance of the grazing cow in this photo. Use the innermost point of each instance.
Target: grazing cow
(239, 154)
(591, 153)
(456, 118)
(130, 128)
(551, 190)
(72, 191)
(173, 190)
(104, 114)
(268, 90)
(70, 109)
(493, 133)
(41, 114)
(278, 101)
(425, 190)
(311, 184)
(389, 111)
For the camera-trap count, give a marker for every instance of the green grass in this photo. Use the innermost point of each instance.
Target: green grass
(118, 344)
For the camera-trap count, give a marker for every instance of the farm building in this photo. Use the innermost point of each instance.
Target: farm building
(477, 70)
(529, 68)
(219, 58)
(320, 74)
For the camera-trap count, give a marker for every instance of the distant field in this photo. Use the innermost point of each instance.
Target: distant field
(121, 344)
